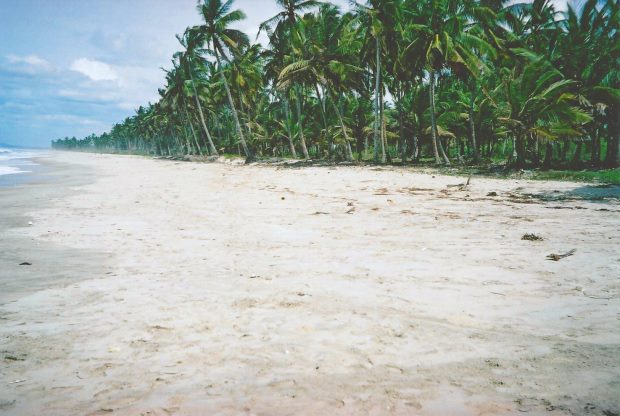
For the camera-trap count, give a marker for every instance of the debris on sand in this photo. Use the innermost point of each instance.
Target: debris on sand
(556, 257)
(17, 381)
(492, 193)
(531, 237)
(25, 263)
(461, 186)
(6, 404)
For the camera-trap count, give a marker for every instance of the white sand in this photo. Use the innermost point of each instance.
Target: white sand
(316, 291)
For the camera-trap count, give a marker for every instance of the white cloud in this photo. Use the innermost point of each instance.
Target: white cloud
(131, 87)
(95, 70)
(30, 64)
(70, 119)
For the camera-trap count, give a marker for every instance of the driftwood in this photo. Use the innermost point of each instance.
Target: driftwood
(557, 257)
(461, 186)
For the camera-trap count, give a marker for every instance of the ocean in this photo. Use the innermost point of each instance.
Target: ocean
(16, 163)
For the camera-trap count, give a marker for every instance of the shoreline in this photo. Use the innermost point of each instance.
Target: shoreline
(51, 265)
(210, 288)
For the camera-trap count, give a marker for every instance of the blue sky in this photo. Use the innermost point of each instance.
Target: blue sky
(74, 67)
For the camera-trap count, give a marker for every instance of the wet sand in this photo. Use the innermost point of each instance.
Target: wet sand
(217, 289)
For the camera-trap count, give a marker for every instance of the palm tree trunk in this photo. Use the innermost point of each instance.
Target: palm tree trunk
(188, 149)
(443, 152)
(472, 124)
(384, 154)
(377, 88)
(212, 148)
(288, 127)
(401, 136)
(189, 120)
(302, 139)
(433, 121)
(348, 150)
(614, 124)
(612, 158)
(324, 114)
(548, 155)
(520, 151)
(596, 147)
(246, 149)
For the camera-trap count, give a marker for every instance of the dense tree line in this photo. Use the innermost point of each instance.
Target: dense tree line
(453, 81)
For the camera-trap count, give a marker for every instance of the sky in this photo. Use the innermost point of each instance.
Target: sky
(75, 67)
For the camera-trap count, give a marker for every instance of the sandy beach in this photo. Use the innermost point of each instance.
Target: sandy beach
(158, 287)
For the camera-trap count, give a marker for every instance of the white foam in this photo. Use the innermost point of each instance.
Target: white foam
(10, 170)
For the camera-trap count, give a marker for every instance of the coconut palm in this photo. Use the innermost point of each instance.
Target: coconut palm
(222, 40)
(322, 62)
(377, 23)
(279, 27)
(444, 38)
(190, 59)
(588, 55)
(539, 103)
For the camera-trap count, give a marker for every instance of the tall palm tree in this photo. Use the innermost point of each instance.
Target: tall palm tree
(322, 61)
(443, 38)
(189, 60)
(220, 38)
(377, 20)
(280, 26)
(588, 54)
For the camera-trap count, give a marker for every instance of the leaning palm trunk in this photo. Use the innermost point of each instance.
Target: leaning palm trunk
(212, 148)
(442, 151)
(472, 124)
(348, 151)
(302, 139)
(194, 135)
(188, 146)
(377, 87)
(246, 149)
(434, 130)
(323, 114)
(288, 128)
(433, 121)
(383, 132)
(402, 143)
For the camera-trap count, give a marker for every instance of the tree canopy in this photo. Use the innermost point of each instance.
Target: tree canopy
(400, 81)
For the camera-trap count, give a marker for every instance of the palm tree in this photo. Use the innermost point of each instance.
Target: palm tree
(189, 60)
(323, 62)
(220, 38)
(588, 55)
(443, 37)
(279, 26)
(539, 103)
(377, 20)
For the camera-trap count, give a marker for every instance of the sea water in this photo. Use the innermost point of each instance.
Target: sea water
(14, 163)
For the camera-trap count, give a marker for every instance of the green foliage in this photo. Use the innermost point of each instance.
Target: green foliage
(466, 81)
(610, 176)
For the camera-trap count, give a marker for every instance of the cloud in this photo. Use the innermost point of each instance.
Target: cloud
(95, 70)
(29, 64)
